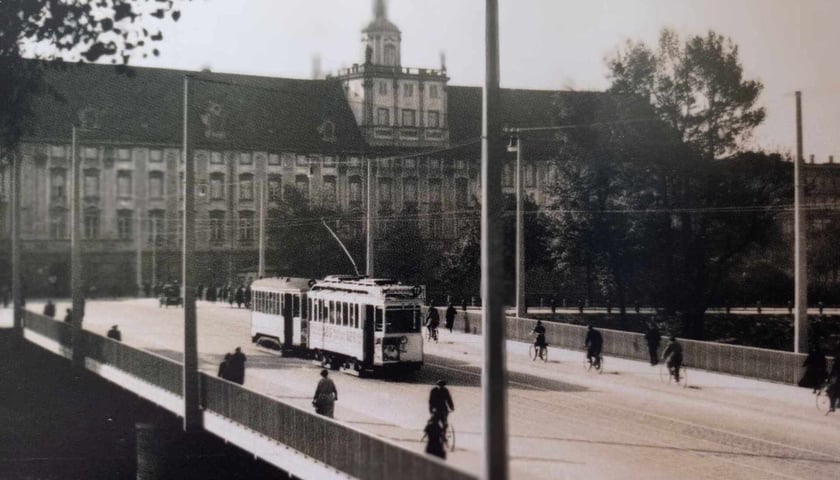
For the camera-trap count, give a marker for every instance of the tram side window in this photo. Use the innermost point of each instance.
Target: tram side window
(378, 320)
(276, 303)
(345, 315)
(402, 320)
(295, 306)
(303, 302)
(352, 319)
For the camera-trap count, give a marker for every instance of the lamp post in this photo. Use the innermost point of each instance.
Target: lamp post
(192, 413)
(76, 275)
(521, 306)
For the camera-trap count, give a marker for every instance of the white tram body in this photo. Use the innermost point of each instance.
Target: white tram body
(278, 310)
(364, 324)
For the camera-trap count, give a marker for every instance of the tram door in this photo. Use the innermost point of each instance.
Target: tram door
(288, 322)
(368, 334)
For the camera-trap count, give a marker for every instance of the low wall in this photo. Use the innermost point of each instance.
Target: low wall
(763, 364)
(338, 446)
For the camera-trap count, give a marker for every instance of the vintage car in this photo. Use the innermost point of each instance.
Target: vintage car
(171, 295)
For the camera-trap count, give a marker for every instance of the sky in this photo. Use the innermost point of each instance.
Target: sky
(788, 45)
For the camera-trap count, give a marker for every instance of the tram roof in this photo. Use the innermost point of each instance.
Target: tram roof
(282, 283)
(364, 285)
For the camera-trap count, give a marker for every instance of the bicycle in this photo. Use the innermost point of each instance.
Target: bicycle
(432, 334)
(598, 364)
(669, 375)
(541, 352)
(823, 401)
(448, 432)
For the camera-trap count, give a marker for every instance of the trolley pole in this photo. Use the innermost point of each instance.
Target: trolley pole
(801, 323)
(192, 414)
(17, 289)
(494, 464)
(369, 220)
(521, 306)
(76, 254)
(261, 262)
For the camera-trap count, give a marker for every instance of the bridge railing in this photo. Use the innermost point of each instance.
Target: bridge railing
(342, 447)
(760, 363)
(147, 366)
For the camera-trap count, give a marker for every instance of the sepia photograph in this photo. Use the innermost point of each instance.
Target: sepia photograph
(419, 239)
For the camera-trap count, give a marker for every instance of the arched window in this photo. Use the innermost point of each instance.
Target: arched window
(390, 55)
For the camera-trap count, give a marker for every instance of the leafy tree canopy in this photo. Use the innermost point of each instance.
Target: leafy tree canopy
(696, 85)
(73, 31)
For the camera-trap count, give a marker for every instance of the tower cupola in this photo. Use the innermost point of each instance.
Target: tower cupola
(381, 39)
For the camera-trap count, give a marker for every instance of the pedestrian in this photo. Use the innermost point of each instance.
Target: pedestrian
(237, 366)
(240, 296)
(464, 305)
(115, 334)
(816, 369)
(247, 296)
(325, 396)
(49, 309)
(652, 337)
(224, 368)
(440, 402)
(450, 317)
(553, 306)
(833, 388)
(434, 434)
(69, 316)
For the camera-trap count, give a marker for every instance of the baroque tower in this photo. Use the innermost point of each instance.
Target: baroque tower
(394, 106)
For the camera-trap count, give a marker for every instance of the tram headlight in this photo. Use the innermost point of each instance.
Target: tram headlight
(390, 352)
(403, 340)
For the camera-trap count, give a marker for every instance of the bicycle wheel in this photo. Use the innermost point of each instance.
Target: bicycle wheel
(683, 376)
(599, 365)
(532, 352)
(823, 401)
(449, 437)
(664, 373)
(544, 354)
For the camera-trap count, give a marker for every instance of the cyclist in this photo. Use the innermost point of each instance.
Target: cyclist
(440, 403)
(432, 322)
(594, 341)
(673, 356)
(833, 386)
(539, 342)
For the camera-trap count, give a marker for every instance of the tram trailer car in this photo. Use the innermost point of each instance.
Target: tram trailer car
(278, 312)
(365, 325)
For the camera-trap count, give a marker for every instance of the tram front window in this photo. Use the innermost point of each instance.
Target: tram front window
(402, 320)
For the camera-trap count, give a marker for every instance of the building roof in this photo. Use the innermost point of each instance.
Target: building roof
(380, 21)
(231, 111)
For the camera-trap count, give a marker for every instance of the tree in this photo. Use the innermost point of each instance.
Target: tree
(73, 31)
(696, 86)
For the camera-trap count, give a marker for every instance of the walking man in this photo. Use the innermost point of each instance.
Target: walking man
(450, 317)
(652, 337)
(237, 366)
(115, 334)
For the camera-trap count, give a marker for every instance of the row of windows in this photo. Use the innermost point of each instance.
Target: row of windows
(409, 118)
(408, 89)
(274, 303)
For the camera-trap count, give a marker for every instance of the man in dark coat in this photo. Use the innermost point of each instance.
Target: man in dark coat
(652, 337)
(49, 309)
(237, 366)
(240, 296)
(833, 389)
(816, 369)
(434, 434)
(450, 317)
(115, 334)
(440, 402)
(325, 396)
(224, 368)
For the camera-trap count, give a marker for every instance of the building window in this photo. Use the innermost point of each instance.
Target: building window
(155, 184)
(273, 159)
(245, 158)
(302, 185)
(124, 184)
(460, 164)
(155, 156)
(246, 187)
(216, 158)
(302, 161)
(217, 186)
(409, 117)
(58, 185)
(91, 224)
(507, 175)
(217, 226)
(355, 184)
(434, 165)
(57, 151)
(434, 119)
(408, 89)
(434, 191)
(433, 91)
(329, 161)
(123, 154)
(384, 193)
(329, 189)
(91, 184)
(462, 189)
(91, 153)
(530, 175)
(275, 188)
(157, 230)
(383, 117)
(383, 88)
(58, 225)
(410, 163)
(410, 190)
(287, 159)
(125, 221)
(390, 54)
(246, 226)
(436, 226)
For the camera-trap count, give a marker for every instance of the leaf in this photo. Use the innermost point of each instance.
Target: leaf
(176, 15)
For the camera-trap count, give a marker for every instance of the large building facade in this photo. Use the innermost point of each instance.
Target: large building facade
(258, 138)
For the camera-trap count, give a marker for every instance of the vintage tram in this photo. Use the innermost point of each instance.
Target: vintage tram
(360, 325)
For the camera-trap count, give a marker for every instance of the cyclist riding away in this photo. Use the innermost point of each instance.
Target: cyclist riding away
(539, 342)
(440, 403)
(594, 342)
(432, 322)
(673, 356)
